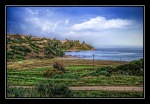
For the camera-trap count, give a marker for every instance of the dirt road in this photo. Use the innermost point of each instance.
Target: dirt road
(104, 88)
(109, 88)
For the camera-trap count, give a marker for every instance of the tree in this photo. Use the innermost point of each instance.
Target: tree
(71, 44)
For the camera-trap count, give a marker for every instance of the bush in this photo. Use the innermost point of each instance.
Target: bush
(15, 92)
(52, 89)
(137, 62)
(110, 69)
(51, 72)
(59, 66)
(12, 46)
(101, 71)
(20, 48)
(105, 73)
(24, 48)
(128, 67)
(20, 57)
(10, 57)
(138, 72)
(142, 62)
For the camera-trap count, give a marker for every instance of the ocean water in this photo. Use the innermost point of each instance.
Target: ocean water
(117, 54)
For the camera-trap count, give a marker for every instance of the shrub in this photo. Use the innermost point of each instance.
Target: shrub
(105, 73)
(20, 57)
(15, 92)
(110, 69)
(59, 66)
(52, 89)
(139, 72)
(12, 46)
(101, 71)
(51, 72)
(128, 67)
(137, 62)
(20, 48)
(24, 48)
(10, 57)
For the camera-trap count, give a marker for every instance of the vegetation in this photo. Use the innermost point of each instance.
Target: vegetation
(106, 94)
(75, 45)
(61, 90)
(20, 47)
(59, 66)
(29, 72)
(138, 63)
(52, 89)
(77, 73)
(51, 72)
(49, 89)
(132, 68)
(51, 76)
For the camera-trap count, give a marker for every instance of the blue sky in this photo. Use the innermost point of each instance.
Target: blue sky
(98, 26)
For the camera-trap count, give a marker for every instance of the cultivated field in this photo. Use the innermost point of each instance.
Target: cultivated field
(78, 73)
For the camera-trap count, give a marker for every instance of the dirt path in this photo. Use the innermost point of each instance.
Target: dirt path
(109, 88)
(104, 88)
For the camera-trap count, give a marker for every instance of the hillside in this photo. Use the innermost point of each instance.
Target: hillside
(27, 47)
(74, 45)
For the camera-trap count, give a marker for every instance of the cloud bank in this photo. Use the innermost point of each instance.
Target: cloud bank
(61, 23)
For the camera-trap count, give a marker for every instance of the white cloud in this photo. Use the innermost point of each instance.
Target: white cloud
(71, 32)
(32, 12)
(95, 31)
(45, 28)
(56, 24)
(67, 21)
(34, 20)
(99, 23)
(117, 23)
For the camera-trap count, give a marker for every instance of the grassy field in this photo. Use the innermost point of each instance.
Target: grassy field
(22, 92)
(30, 72)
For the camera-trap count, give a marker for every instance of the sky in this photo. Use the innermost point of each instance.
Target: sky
(97, 26)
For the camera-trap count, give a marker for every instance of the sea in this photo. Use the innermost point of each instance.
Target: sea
(116, 54)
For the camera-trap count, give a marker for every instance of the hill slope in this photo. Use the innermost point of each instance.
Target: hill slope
(27, 47)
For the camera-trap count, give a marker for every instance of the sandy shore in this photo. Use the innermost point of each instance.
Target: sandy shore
(68, 57)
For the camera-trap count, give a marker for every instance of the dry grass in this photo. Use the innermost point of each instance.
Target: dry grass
(33, 63)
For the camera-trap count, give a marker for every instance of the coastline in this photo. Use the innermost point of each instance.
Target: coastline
(78, 50)
(71, 57)
(106, 54)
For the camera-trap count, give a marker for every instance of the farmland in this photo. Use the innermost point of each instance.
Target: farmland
(78, 72)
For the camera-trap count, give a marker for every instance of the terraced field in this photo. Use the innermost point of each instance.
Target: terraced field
(78, 74)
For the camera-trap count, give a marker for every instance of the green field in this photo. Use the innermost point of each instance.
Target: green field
(77, 73)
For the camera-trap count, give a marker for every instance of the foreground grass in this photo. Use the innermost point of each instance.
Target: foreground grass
(22, 92)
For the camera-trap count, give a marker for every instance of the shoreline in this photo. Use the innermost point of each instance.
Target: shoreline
(70, 57)
(77, 50)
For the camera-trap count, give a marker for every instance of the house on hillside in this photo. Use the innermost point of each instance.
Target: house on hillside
(22, 36)
(44, 40)
(63, 41)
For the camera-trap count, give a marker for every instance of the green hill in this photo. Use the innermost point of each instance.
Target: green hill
(30, 47)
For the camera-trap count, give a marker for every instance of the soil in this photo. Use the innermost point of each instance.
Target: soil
(103, 88)
(109, 88)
